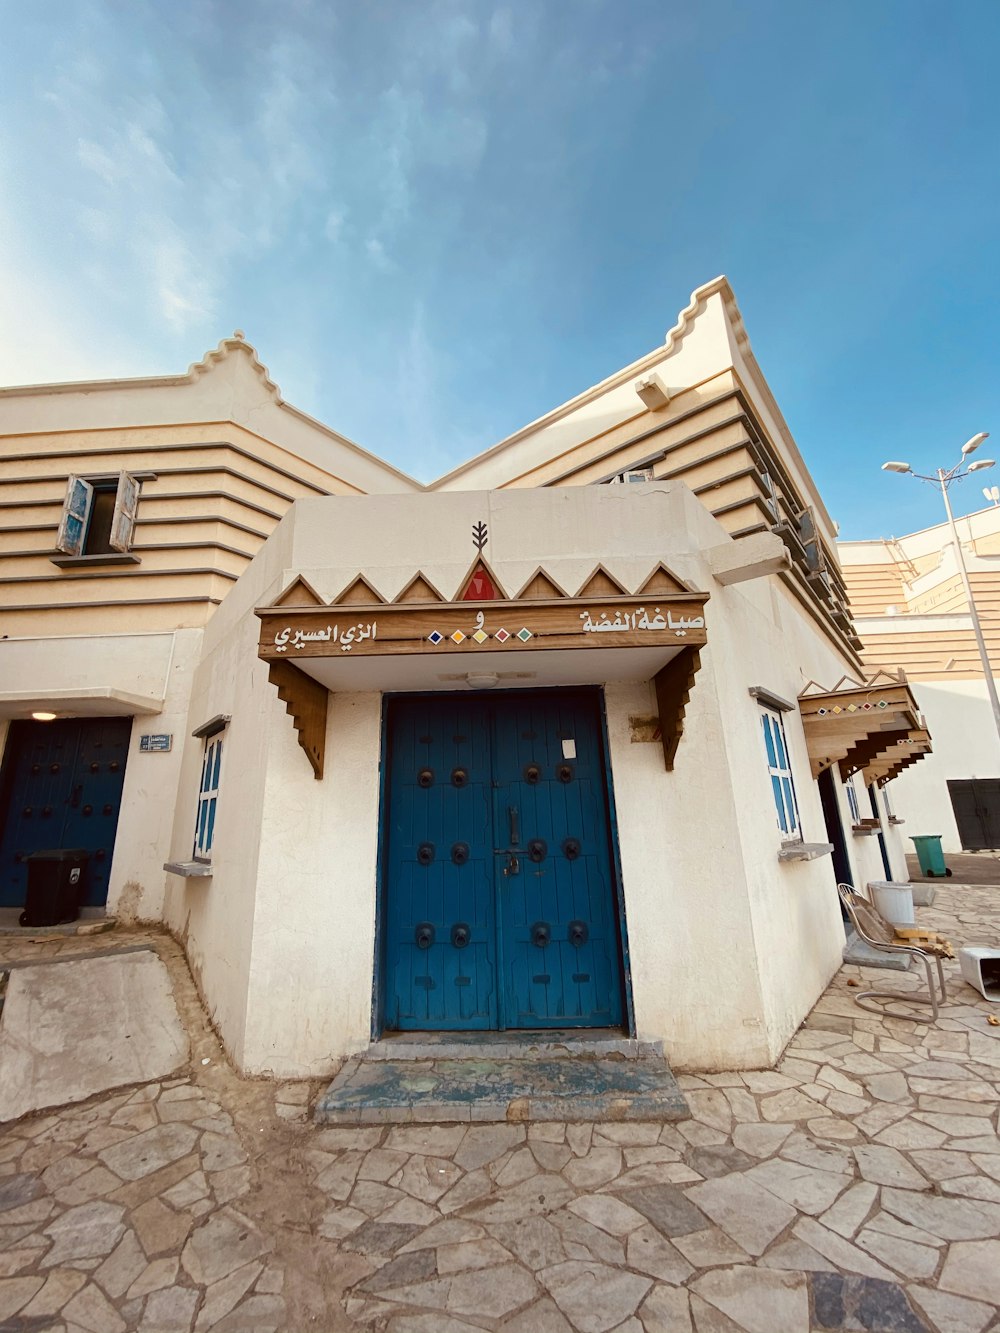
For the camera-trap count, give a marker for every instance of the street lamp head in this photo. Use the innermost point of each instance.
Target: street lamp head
(896, 467)
(980, 464)
(975, 442)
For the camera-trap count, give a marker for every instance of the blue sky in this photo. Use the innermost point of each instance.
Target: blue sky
(438, 219)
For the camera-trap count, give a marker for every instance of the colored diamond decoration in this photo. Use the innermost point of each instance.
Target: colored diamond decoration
(837, 708)
(882, 703)
(501, 636)
(480, 636)
(524, 635)
(852, 708)
(866, 707)
(457, 637)
(821, 712)
(435, 638)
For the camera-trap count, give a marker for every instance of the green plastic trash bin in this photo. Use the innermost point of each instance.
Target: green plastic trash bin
(930, 855)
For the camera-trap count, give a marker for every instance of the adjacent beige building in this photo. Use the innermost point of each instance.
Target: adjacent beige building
(911, 611)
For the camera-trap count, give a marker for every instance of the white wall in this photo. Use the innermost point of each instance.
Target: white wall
(152, 784)
(964, 736)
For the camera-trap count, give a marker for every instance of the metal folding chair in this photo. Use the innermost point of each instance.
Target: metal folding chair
(877, 932)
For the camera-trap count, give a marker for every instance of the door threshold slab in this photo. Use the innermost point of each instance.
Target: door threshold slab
(497, 1090)
(91, 921)
(519, 1044)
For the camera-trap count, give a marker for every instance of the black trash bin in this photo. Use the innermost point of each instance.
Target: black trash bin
(55, 886)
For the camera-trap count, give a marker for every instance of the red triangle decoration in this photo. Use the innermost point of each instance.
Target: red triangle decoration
(480, 587)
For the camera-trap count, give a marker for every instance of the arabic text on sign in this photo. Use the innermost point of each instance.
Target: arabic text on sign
(331, 634)
(627, 621)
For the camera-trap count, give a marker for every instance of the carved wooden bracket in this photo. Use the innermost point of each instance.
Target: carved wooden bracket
(674, 683)
(306, 700)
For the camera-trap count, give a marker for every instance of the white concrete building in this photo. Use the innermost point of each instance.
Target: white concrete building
(911, 610)
(560, 741)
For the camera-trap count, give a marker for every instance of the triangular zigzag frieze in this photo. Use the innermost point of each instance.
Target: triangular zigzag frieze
(299, 593)
(419, 589)
(360, 592)
(602, 584)
(661, 580)
(539, 587)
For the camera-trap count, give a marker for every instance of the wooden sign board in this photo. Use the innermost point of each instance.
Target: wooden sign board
(446, 629)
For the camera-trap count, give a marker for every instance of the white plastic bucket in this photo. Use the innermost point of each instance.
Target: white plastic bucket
(892, 901)
(986, 979)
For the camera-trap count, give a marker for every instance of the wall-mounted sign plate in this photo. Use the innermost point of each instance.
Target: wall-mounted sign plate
(155, 743)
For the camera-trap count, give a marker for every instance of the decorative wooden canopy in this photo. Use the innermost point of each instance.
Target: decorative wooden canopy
(899, 756)
(872, 726)
(663, 613)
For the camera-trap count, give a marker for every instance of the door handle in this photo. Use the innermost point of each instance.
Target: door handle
(74, 800)
(515, 830)
(513, 866)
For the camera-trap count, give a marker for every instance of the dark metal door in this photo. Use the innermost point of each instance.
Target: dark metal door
(976, 803)
(500, 908)
(62, 788)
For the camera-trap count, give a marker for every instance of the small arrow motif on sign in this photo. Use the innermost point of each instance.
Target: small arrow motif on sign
(479, 536)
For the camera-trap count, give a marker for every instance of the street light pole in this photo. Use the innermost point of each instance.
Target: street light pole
(974, 614)
(943, 479)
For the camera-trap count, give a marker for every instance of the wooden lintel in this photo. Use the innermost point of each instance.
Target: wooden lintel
(673, 684)
(306, 700)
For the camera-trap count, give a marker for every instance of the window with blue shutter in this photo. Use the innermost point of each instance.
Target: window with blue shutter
(98, 515)
(780, 772)
(208, 796)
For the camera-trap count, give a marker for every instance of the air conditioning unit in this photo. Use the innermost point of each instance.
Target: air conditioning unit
(635, 475)
(770, 496)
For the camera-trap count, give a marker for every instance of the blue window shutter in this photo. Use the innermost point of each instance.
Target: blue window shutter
(75, 516)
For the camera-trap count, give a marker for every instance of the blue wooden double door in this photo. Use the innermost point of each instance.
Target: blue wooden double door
(61, 788)
(499, 903)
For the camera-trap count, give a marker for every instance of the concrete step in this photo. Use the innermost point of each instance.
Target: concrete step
(484, 1089)
(552, 1044)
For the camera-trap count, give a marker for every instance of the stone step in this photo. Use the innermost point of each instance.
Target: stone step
(590, 1088)
(550, 1045)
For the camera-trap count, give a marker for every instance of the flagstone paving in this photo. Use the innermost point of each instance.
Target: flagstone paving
(854, 1187)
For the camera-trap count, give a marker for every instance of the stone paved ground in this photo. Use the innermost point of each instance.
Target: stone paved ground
(855, 1187)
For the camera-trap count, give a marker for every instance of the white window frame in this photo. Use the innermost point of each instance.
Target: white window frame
(210, 783)
(852, 800)
(780, 773)
(74, 525)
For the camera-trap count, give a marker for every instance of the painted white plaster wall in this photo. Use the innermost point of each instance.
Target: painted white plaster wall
(214, 916)
(695, 971)
(758, 637)
(314, 925)
(964, 736)
(137, 883)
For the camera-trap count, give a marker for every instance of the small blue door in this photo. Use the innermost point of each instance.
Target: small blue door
(62, 788)
(500, 909)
